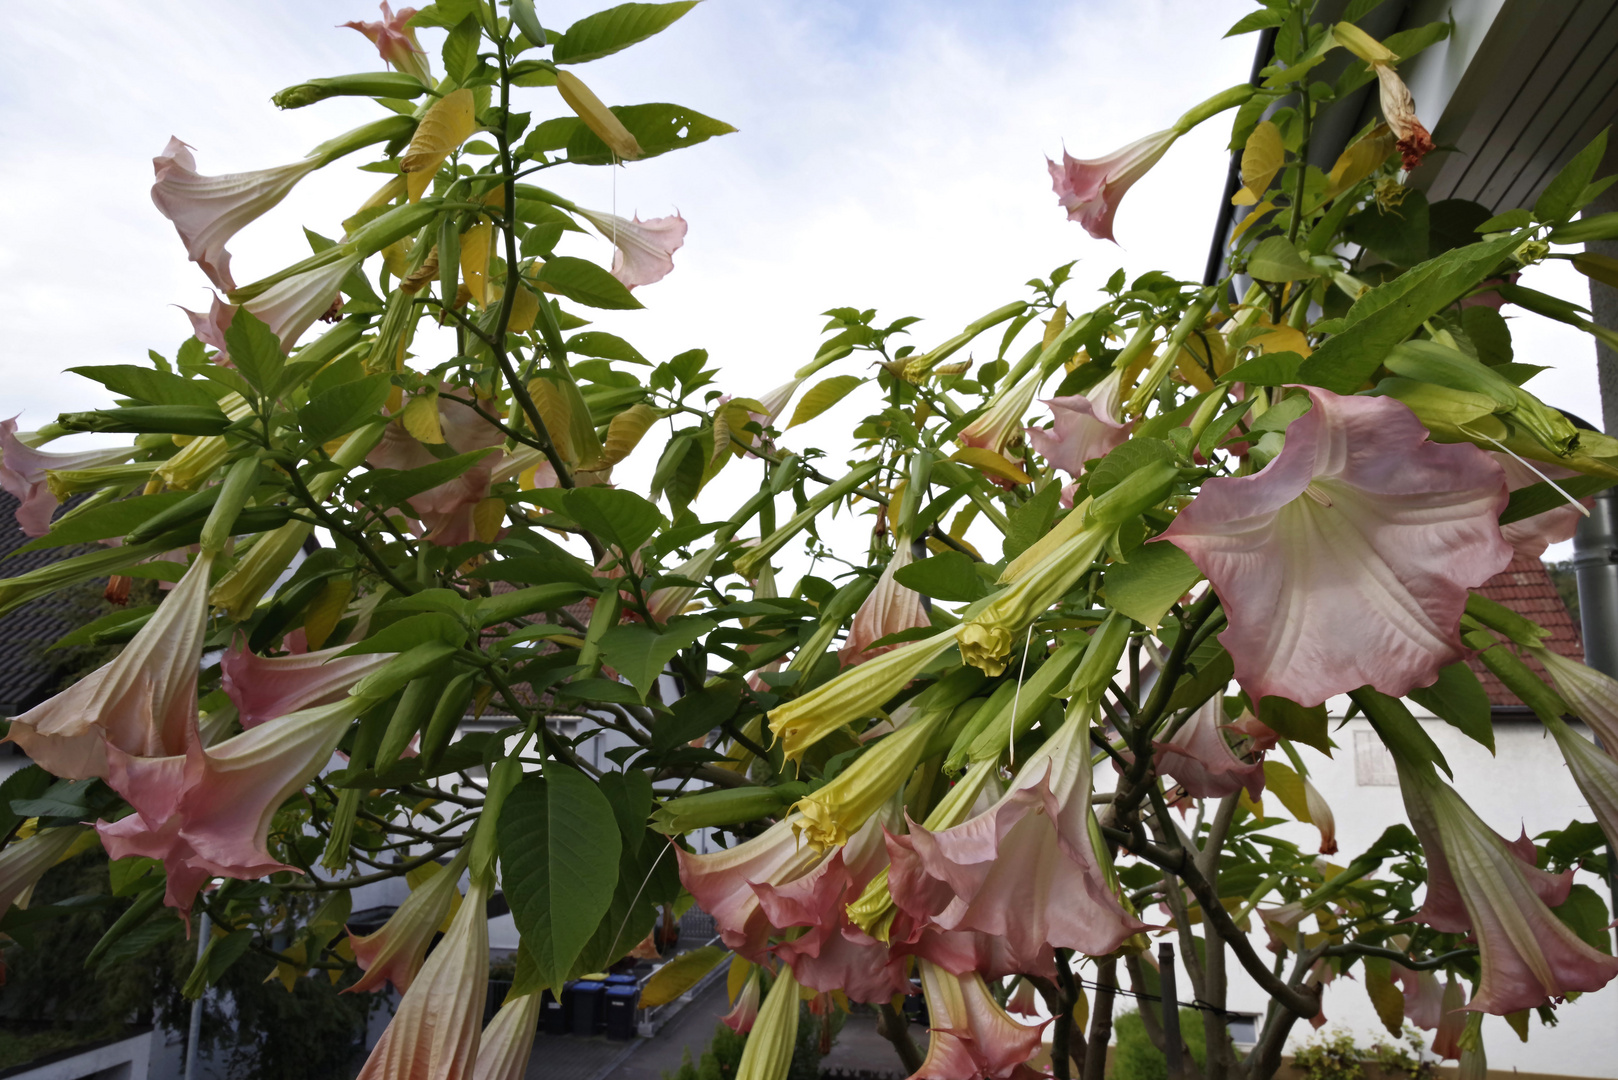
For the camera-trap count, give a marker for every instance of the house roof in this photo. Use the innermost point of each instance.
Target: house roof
(25, 669)
(1527, 589)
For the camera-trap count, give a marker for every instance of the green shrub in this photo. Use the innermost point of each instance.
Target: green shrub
(1135, 1058)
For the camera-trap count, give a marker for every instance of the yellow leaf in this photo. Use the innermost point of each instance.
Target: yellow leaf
(420, 876)
(1362, 158)
(1081, 1011)
(448, 124)
(994, 464)
(1602, 268)
(596, 116)
(420, 418)
(1054, 325)
(487, 517)
(1286, 785)
(475, 260)
(822, 396)
(721, 436)
(679, 975)
(325, 611)
(524, 311)
(1252, 806)
(1387, 998)
(288, 974)
(1282, 339)
(557, 414)
(740, 969)
(896, 498)
(1262, 158)
(625, 431)
(1254, 216)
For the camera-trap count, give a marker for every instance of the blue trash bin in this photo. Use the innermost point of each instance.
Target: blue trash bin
(587, 1016)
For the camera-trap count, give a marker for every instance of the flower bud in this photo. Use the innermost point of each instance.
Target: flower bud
(597, 117)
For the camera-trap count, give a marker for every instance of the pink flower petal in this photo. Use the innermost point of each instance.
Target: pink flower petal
(644, 249)
(1347, 560)
(1200, 759)
(890, 609)
(266, 688)
(1090, 190)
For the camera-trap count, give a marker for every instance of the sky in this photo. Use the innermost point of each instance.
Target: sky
(889, 155)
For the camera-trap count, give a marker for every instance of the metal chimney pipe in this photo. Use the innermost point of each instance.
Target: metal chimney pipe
(1595, 562)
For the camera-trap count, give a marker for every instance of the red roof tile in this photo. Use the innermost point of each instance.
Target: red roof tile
(1527, 589)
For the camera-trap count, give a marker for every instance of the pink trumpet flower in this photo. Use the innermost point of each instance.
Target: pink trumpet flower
(266, 687)
(1321, 817)
(393, 954)
(206, 813)
(1090, 190)
(1478, 883)
(744, 1013)
(1085, 427)
(1200, 759)
(447, 511)
(723, 881)
(208, 210)
(1424, 997)
(1347, 560)
(1451, 1022)
(1022, 870)
(291, 306)
(1023, 1001)
(972, 1037)
(508, 1041)
(142, 703)
(395, 40)
(24, 862)
(210, 328)
(437, 1032)
(23, 472)
(1532, 535)
(828, 956)
(890, 609)
(644, 250)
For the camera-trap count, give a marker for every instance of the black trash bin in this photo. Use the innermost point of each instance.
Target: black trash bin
(587, 1015)
(552, 1018)
(559, 1014)
(622, 1001)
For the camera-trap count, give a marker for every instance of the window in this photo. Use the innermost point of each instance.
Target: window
(1373, 765)
(1243, 1028)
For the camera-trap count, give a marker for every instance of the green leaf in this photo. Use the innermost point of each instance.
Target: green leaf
(559, 851)
(584, 281)
(1460, 700)
(1262, 19)
(658, 126)
(694, 715)
(1151, 582)
(28, 782)
(254, 350)
(461, 49)
(391, 487)
(1389, 313)
(111, 519)
(607, 346)
(1487, 330)
(1511, 219)
(606, 32)
(411, 631)
(1292, 721)
(619, 517)
(950, 576)
(640, 654)
(1399, 731)
(1211, 678)
(1585, 914)
(140, 940)
(1276, 259)
(149, 385)
(822, 396)
(343, 407)
(1271, 369)
(1031, 520)
(1540, 497)
(1398, 234)
(1562, 196)
(216, 960)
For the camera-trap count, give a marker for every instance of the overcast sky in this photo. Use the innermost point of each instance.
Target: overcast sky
(890, 154)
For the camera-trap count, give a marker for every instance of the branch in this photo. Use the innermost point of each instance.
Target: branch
(893, 1026)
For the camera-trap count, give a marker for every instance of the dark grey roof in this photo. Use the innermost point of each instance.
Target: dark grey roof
(27, 672)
